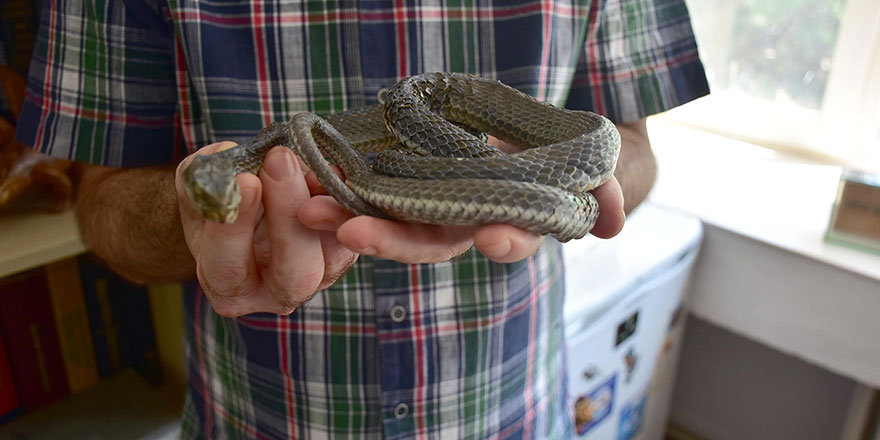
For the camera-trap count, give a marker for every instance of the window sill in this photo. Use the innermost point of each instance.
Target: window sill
(765, 271)
(752, 191)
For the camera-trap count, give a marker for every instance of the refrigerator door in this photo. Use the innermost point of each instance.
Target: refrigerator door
(599, 272)
(621, 310)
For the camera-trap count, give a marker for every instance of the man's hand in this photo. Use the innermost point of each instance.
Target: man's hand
(266, 261)
(418, 243)
(280, 252)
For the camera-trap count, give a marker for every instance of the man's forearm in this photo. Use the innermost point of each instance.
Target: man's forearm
(130, 219)
(636, 167)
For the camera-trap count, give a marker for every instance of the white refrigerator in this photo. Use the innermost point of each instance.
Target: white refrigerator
(624, 319)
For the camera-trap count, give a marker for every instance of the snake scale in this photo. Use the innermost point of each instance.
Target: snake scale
(433, 164)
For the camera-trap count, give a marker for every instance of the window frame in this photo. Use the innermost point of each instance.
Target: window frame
(845, 131)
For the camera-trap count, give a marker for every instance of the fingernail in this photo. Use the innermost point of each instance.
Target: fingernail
(369, 250)
(280, 165)
(324, 225)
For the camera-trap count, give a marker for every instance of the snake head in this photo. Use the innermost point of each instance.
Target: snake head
(211, 186)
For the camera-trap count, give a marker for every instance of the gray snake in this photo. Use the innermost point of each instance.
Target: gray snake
(433, 164)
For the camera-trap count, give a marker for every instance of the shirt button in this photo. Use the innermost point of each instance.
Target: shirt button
(398, 313)
(401, 410)
(381, 95)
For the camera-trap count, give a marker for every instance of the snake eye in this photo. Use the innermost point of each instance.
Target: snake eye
(211, 186)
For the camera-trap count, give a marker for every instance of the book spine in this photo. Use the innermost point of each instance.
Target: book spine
(102, 320)
(166, 305)
(31, 337)
(8, 395)
(122, 321)
(72, 321)
(141, 351)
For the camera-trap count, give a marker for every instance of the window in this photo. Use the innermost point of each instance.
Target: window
(791, 74)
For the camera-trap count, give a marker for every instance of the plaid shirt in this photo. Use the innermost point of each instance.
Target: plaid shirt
(464, 349)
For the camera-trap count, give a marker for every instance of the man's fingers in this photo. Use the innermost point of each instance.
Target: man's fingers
(505, 243)
(417, 243)
(611, 214)
(404, 242)
(191, 218)
(296, 268)
(225, 257)
(207, 149)
(315, 187)
(186, 205)
(337, 259)
(323, 213)
(224, 253)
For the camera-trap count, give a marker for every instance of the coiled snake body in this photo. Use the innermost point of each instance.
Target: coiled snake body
(430, 168)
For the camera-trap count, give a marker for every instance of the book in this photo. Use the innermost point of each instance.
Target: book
(31, 338)
(121, 322)
(72, 321)
(8, 395)
(166, 305)
(103, 323)
(140, 350)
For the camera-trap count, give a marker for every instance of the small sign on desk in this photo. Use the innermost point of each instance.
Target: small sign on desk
(855, 220)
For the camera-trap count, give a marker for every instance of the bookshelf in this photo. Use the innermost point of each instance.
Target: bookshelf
(123, 402)
(29, 240)
(51, 313)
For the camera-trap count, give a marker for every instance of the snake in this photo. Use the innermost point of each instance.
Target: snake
(431, 162)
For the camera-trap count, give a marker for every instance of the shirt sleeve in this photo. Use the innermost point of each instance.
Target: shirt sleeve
(640, 58)
(101, 86)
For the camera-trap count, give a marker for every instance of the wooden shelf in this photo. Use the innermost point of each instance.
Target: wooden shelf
(33, 239)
